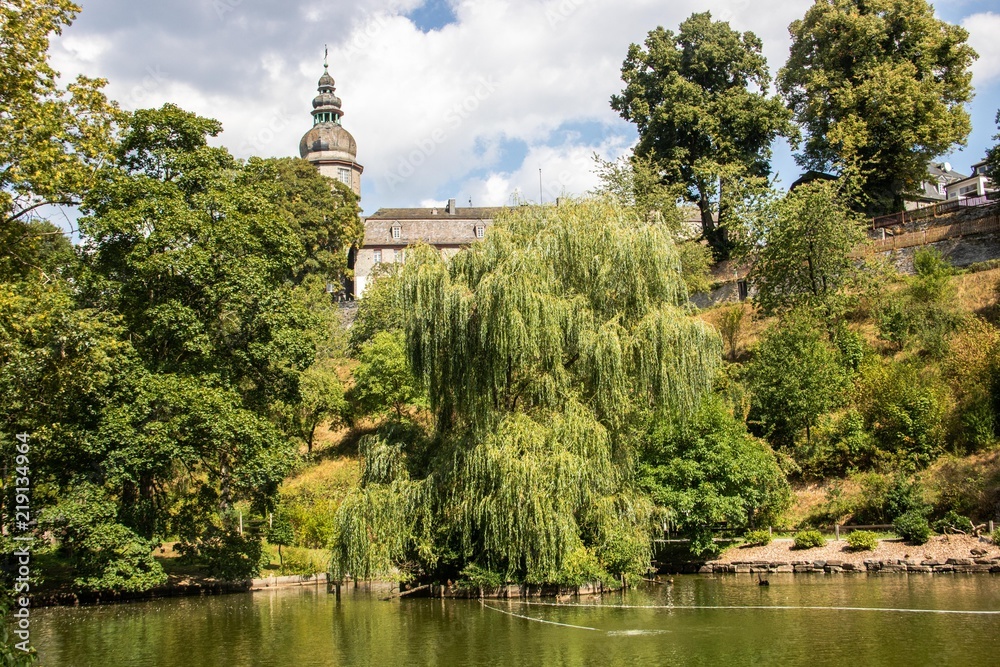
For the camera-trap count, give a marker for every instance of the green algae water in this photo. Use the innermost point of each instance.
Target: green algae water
(727, 620)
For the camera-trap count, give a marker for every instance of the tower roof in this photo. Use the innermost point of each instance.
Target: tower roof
(328, 141)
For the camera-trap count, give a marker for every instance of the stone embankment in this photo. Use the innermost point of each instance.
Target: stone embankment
(959, 565)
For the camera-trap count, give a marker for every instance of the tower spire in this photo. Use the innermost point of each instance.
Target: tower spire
(326, 57)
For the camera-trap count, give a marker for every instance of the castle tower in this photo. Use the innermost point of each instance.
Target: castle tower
(328, 145)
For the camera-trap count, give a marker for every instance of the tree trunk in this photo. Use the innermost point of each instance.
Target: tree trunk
(715, 234)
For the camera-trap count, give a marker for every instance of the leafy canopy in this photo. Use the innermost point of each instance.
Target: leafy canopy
(880, 88)
(52, 140)
(800, 246)
(696, 99)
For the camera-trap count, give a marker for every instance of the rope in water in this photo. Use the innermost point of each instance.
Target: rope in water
(539, 620)
(980, 612)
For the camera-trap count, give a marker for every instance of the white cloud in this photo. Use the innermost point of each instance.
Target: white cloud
(983, 31)
(431, 112)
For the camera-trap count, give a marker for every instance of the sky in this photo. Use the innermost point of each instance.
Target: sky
(464, 99)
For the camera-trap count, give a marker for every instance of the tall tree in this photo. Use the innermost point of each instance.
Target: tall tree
(698, 98)
(880, 88)
(795, 377)
(542, 348)
(801, 246)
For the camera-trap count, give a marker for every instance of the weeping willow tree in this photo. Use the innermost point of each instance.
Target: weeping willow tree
(543, 349)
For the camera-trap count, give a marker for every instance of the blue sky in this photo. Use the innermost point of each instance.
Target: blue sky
(446, 98)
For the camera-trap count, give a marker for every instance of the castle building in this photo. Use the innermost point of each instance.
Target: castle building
(388, 232)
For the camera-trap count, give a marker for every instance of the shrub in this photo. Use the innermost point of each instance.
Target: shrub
(913, 527)
(808, 539)
(953, 521)
(862, 540)
(300, 561)
(996, 537)
(757, 538)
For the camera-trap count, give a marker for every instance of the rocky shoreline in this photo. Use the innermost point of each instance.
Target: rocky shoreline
(956, 565)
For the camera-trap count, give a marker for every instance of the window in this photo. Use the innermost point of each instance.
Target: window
(480, 231)
(399, 256)
(378, 256)
(396, 231)
(345, 175)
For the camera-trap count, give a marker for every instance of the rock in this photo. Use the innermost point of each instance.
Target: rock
(919, 568)
(932, 562)
(849, 567)
(789, 568)
(835, 563)
(706, 569)
(959, 561)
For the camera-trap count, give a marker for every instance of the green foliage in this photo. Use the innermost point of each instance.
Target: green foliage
(884, 497)
(279, 532)
(696, 263)
(473, 577)
(323, 213)
(225, 553)
(536, 380)
(904, 410)
(841, 445)
(52, 139)
(882, 113)
(731, 326)
(106, 555)
(808, 539)
(300, 561)
(972, 369)
(996, 537)
(794, 377)
(801, 245)
(953, 521)
(757, 538)
(582, 566)
(707, 470)
(379, 308)
(913, 527)
(862, 540)
(695, 97)
(383, 381)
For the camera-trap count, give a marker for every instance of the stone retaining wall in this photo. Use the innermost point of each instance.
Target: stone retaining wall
(830, 566)
(290, 580)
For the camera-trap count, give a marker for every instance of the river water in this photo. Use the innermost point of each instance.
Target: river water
(856, 620)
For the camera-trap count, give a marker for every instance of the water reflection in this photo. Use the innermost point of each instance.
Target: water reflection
(661, 625)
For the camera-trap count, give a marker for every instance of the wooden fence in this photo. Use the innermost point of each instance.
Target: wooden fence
(935, 210)
(934, 234)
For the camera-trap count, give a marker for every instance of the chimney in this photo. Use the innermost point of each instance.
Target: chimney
(451, 206)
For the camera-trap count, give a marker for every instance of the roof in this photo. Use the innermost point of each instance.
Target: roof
(461, 213)
(428, 225)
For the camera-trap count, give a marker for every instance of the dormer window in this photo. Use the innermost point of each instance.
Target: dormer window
(397, 231)
(480, 231)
